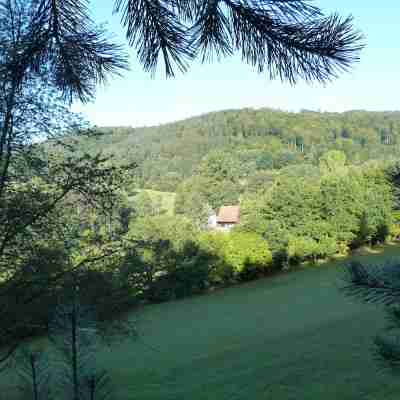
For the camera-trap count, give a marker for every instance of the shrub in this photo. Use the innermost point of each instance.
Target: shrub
(327, 247)
(382, 233)
(280, 259)
(168, 273)
(190, 273)
(394, 232)
(248, 254)
(215, 243)
(303, 249)
(237, 255)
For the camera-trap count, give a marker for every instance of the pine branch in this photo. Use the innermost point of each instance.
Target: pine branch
(58, 37)
(379, 284)
(290, 10)
(313, 49)
(212, 31)
(187, 9)
(153, 29)
(388, 350)
(289, 38)
(374, 284)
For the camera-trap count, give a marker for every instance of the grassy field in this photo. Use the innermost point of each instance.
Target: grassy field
(167, 199)
(294, 336)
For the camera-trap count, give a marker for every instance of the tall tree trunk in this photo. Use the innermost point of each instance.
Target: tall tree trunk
(34, 377)
(74, 349)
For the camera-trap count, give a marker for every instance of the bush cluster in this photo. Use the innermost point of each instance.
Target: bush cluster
(312, 218)
(177, 260)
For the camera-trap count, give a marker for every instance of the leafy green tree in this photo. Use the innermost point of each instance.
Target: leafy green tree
(215, 243)
(198, 196)
(393, 175)
(306, 248)
(252, 214)
(285, 158)
(154, 246)
(191, 201)
(301, 170)
(292, 204)
(247, 253)
(142, 204)
(239, 254)
(265, 161)
(219, 166)
(224, 193)
(146, 204)
(190, 273)
(259, 181)
(310, 218)
(333, 162)
(379, 202)
(343, 205)
(145, 263)
(165, 269)
(175, 229)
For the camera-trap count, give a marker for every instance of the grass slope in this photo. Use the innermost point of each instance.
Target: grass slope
(291, 337)
(294, 336)
(167, 199)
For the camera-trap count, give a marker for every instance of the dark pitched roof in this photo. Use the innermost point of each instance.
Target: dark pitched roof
(228, 214)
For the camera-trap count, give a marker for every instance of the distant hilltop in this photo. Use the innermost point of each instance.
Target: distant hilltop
(257, 139)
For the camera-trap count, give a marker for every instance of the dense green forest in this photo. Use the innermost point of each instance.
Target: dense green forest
(252, 141)
(310, 186)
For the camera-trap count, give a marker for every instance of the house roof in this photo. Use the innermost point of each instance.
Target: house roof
(228, 214)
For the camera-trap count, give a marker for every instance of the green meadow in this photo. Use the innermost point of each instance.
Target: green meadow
(292, 336)
(165, 201)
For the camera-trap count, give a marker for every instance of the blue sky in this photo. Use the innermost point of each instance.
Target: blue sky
(137, 99)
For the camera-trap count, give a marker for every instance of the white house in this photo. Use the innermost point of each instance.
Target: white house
(212, 221)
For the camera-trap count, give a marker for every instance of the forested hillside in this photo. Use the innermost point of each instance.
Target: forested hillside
(309, 185)
(249, 141)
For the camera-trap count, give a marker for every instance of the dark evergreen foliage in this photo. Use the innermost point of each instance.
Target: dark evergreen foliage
(38, 184)
(56, 38)
(290, 39)
(381, 285)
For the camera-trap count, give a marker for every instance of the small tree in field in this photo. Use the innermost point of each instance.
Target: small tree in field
(74, 333)
(34, 373)
(71, 371)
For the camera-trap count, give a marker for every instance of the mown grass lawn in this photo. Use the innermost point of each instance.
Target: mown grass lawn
(293, 336)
